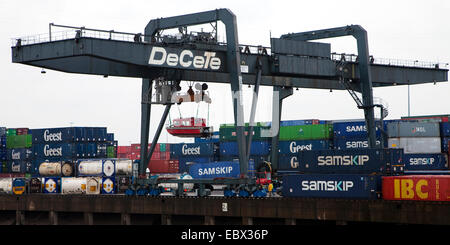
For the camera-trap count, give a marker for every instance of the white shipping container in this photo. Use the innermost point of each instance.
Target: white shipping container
(73, 185)
(96, 167)
(93, 185)
(6, 185)
(416, 144)
(124, 167)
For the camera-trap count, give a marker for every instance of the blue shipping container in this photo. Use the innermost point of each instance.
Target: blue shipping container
(355, 161)
(192, 150)
(352, 143)
(215, 138)
(2, 141)
(354, 129)
(60, 151)
(293, 147)
(20, 167)
(2, 131)
(58, 135)
(257, 148)
(332, 186)
(186, 162)
(19, 154)
(445, 129)
(227, 169)
(425, 161)
(444, 144)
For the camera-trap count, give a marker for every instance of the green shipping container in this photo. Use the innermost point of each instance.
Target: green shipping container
(229, 133)
(162, 147)
(110, 152)
(19, 141)
(11, 131)
(306, 132)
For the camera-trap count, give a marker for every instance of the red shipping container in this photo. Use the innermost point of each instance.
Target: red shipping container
(416, 187)
(163, 166)
(167, 155)
(123, 149)
(21, 131)
(156, 155)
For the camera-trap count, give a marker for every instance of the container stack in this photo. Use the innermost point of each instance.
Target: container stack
(421, 141)
(111, 146)
(353, 134)
(301, 135)
(192, 153)
(3, 150)
(66, 145)
(19, 152)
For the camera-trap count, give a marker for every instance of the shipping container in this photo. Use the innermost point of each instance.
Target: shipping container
(93, 185)
(124, 167)
(163, 166)
(429, 118)
(257, 148)
(2, 132)
(416, 144)
(21, 154)
(73, 185)
(192, 149)
(51, 185)
(413, 129)
(416, 187)
(18, 141)
(108, 185)
(186, 162)
(445, 129)
(444, 144)
(60, 151)
(293, 147)
(123, 149)
(2, 141)
(352, 143)
(21, 131)
(225, 169)
(55, 168)
(18, 166)
(11, 131)
(96, 167)
(228, 133)
(355, 161)
(352, 186)
(425, 161)
(215, 138)
(354, 129)
(6, 185)
(306, 132)
(59, 135)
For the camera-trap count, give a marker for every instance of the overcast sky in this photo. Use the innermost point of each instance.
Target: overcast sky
(410, 30)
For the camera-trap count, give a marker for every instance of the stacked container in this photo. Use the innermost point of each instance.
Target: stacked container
(191, 153)
(302, 135)
(3, 150)
(19, 152)
(421, 142)
(353, 134)
(66, 145)
(349, 173)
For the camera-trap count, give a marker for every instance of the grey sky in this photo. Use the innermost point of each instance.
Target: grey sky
(412, 30)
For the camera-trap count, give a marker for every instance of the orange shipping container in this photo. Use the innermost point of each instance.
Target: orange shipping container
(417, 187)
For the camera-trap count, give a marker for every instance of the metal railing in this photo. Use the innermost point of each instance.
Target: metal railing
(77, 32)
(392, 62)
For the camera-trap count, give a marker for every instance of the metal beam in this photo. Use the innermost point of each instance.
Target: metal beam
(233, 61)
(363, 59)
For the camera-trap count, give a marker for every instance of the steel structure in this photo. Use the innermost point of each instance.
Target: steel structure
(292, 61)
